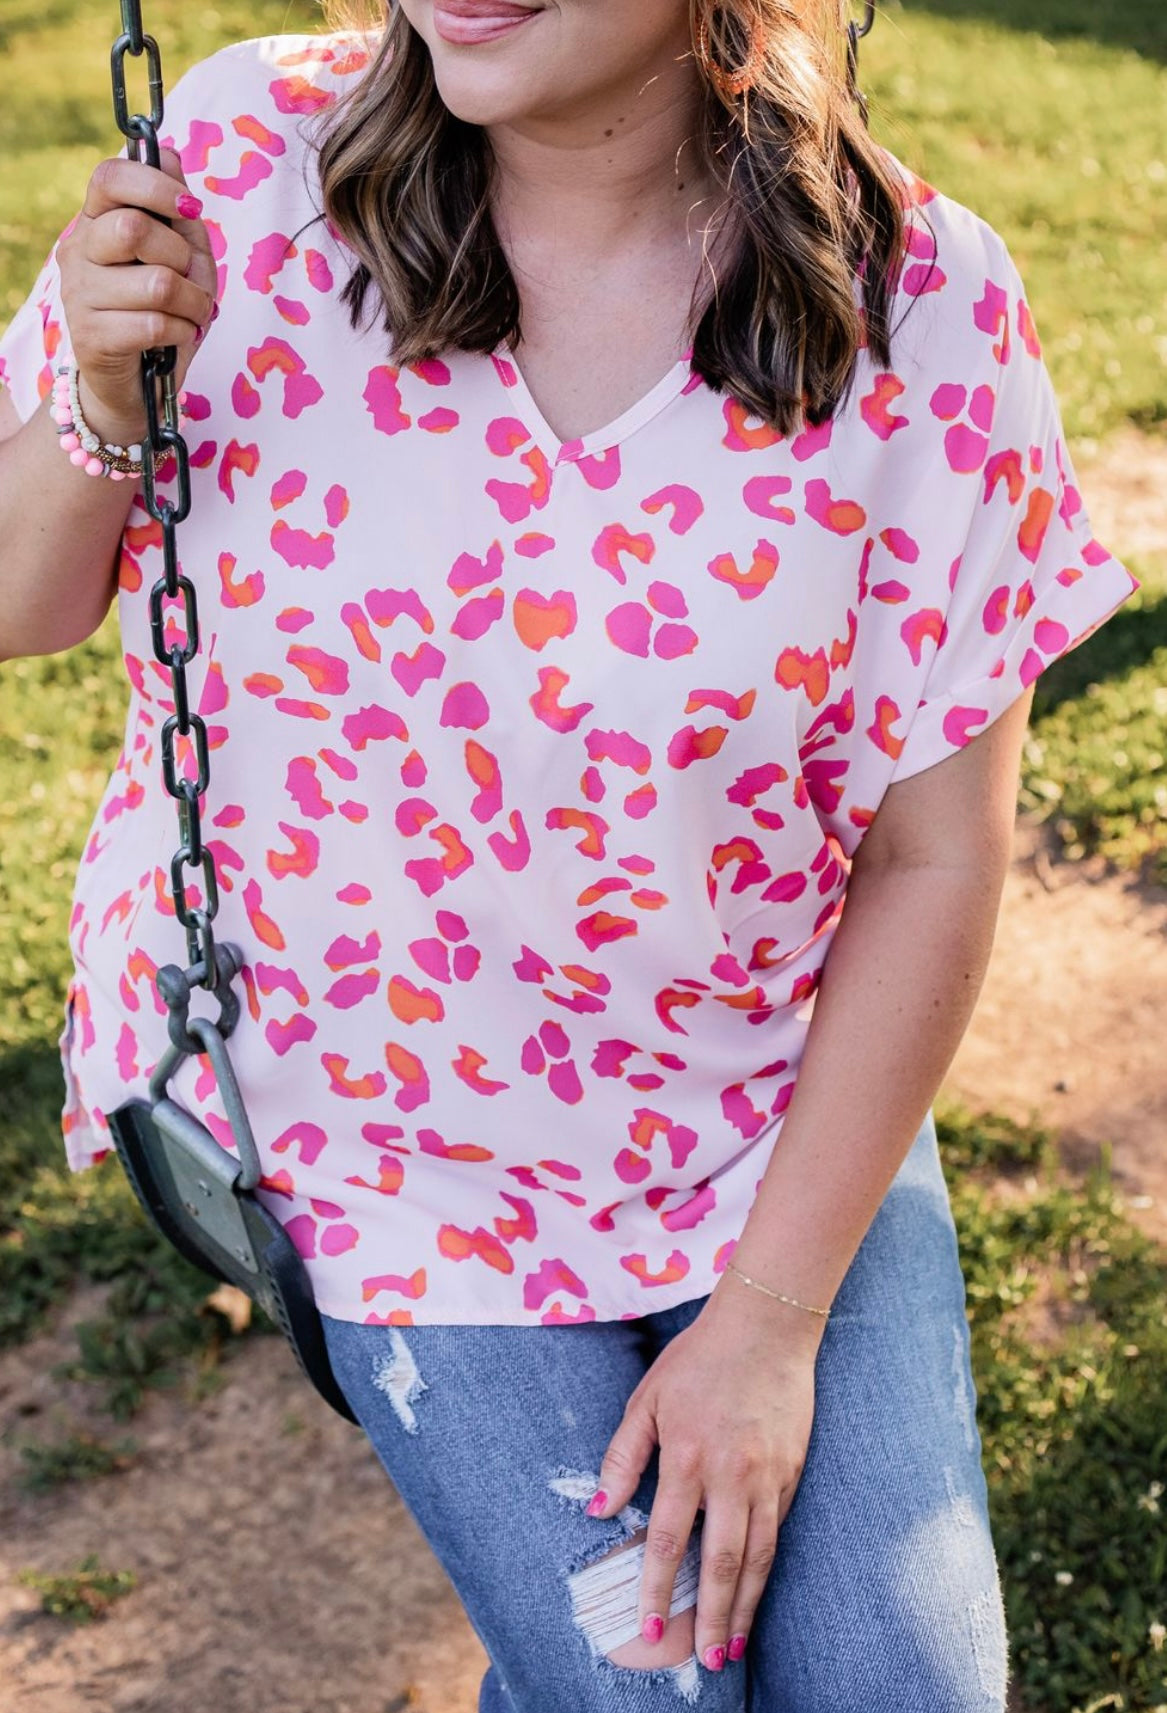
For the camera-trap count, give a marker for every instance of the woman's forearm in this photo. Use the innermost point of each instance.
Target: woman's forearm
(59, 537)
(899, 986)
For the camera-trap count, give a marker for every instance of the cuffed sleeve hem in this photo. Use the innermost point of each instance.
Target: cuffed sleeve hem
(1073, 606)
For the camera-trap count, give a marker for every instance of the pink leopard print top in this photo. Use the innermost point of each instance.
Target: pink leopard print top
(537, 768)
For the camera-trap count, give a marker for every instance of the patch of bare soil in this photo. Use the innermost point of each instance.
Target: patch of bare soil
(1123, 481)
(1068, 1030)
(278, 1569)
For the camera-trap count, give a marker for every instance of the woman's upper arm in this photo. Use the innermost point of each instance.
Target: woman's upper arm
(959, 812)
(9, 420)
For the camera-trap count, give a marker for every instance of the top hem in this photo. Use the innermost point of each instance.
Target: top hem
(687, 1290)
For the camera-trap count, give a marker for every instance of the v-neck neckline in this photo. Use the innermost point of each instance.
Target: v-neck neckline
(672, 382)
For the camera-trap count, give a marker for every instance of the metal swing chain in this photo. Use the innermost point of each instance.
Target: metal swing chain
(211, 967)
(855, 33)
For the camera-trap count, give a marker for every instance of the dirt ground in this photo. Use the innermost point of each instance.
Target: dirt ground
(311, 1591)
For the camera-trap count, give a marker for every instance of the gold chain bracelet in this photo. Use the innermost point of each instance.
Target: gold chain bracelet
(826, 1313)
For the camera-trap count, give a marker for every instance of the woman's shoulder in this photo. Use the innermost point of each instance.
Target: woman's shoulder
(959, 283)
(276, 81)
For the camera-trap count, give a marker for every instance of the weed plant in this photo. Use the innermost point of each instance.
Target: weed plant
(82, 1595)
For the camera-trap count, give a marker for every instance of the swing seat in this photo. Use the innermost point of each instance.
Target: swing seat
(189, 1188)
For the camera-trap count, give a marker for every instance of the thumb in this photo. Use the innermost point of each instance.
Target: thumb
(625, 1460)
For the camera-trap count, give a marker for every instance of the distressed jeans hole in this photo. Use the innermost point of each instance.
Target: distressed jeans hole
(605, 1597)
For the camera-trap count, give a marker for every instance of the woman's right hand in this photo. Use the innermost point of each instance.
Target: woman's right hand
(129, 283)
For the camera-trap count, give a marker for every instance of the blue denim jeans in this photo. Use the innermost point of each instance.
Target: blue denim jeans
(884, 1596)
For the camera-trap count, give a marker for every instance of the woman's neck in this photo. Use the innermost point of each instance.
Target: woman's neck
(624, 174)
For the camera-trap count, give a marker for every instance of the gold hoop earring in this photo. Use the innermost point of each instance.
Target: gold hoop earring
(730, 84)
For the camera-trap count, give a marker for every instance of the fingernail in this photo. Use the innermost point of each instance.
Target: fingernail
(714, 1657)
(199, 332)
(737, 1646)
(215, 313)
(597, 1502)
(653, 1627)
(188, 207)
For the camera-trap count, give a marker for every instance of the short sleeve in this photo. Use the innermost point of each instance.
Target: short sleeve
(1030, 581)
(35, 341)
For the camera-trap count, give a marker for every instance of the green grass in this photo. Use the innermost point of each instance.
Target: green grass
(1093, 765)
(1057, 136)
(1070, 1409)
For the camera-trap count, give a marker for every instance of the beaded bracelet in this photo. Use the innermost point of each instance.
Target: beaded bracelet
(78, 439)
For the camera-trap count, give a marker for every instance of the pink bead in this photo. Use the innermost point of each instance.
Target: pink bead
(94, 467)
(79, 456)
(70, 442)
(63, 415)
(117, 475)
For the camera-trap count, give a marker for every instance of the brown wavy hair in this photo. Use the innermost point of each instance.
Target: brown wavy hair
(816, 209)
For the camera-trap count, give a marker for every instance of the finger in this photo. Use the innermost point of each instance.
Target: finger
(624, 1462)
(150, 289)
(118, 183)
(124, 235)
(723, 1540)
(125, 333)
(670, 1524)
(757, 1562)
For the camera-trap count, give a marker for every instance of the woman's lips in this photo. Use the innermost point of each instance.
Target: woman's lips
(469, 21)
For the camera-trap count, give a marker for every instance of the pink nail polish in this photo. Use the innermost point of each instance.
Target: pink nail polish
(597, 1502)
(737, 1646)
(714, 1658)
(188, 207)
(653, 1627)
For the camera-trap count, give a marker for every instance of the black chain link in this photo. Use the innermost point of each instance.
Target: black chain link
(163, 440)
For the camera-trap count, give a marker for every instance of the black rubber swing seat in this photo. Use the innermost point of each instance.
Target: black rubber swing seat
(189, 1188)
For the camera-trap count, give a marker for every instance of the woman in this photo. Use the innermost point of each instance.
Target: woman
(630, 511)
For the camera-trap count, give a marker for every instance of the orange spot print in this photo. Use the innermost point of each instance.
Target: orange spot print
(674, 1268)
(539, 618)
(1035, 523)
(410, 1073)
(242, 593)
(411, 1004)
(880, 732)
(467, 1068)
(368, 1087)
(262, 925)
(304, 857)
(749, 584)
(414, 1286)
(593, 827)
(739, 435)
(431, 1143)
(808, 671)
(458, 1245)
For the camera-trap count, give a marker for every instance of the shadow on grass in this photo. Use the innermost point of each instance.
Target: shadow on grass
(1137, 25)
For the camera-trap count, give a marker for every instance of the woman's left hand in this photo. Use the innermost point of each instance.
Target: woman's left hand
(730, 1402)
